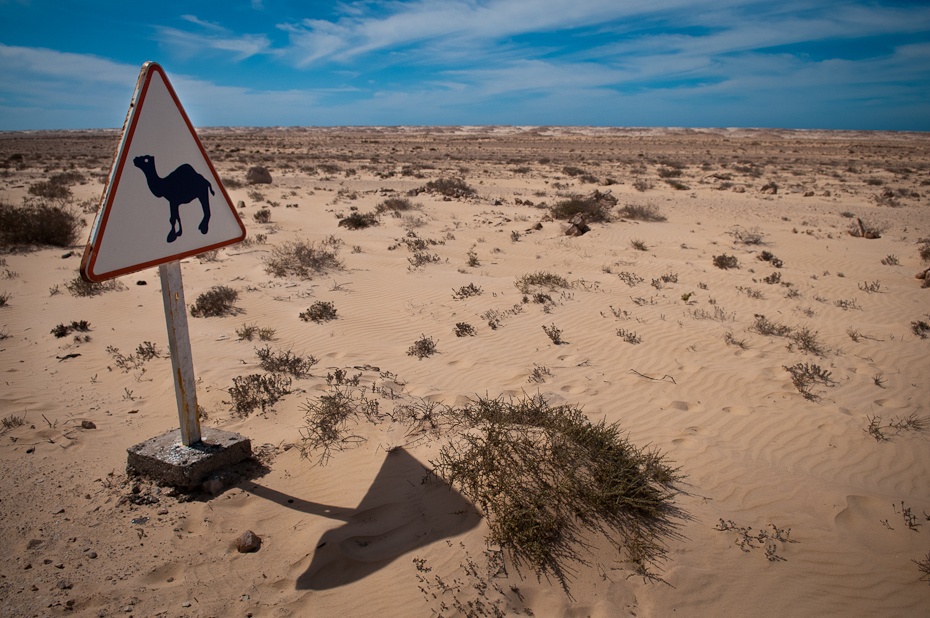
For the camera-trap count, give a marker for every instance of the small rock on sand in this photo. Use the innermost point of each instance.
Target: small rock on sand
(248, 542)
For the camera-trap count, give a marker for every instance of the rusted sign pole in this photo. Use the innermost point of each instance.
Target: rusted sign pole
(179, 344)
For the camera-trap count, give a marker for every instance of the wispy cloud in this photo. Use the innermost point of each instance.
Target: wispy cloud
(213, 38)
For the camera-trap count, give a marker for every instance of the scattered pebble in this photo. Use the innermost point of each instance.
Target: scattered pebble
(248, 542)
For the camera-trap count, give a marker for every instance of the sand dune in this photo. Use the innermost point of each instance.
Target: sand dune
(659, 340)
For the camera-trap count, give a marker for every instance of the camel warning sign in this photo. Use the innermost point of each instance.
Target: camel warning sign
(164, 200)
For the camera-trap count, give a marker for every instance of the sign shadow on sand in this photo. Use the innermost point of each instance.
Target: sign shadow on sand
(405, 508)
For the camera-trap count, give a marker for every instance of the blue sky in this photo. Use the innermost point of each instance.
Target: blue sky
(68, 64)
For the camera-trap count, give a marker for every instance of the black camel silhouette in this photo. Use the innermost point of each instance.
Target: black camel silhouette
(181, 186)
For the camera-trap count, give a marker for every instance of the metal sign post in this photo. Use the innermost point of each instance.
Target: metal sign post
(162, 184)
(179, 344)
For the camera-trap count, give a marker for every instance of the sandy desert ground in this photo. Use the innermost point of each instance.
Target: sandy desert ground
(791, 503)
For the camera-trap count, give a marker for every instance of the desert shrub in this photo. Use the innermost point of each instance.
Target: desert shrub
(466, 291)
(257, 391)
(766, 327)
(541, 473)
(262, 215)
(806, 340)
(63, 330)
(642, 185)
(540, 279)
(593, 210)
(725, 261)
(359, 221)
(669, 172)
(215, 302)
(629, 336)
(890, 260)
(748, 237)
(464, 329)
(81, 288)
(285, 362)
(36, 223)
(923, 250)
(767, 256)
(145, 352)
(571, 170)
(319, 311)
(638, 244)
(58, 187)
(554, 333)
(5, 299)
(248, 332)
(304, 259)
(422, 258)
(422, 347)
(806, 375)
(327, 418)
(924, 567)
(395, 204)
(677, 184)
(920, 328)
(449, 187)
(641, 212)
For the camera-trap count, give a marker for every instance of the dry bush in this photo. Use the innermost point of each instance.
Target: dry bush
(725, 261)
(359, 221)
(215, 302)
(248, 332)
(806, 375)
(304, 259)
(642, 212)
(594, 208)
(262, 215)
(285, 362)
(81, 288)
(529, 283)
(449, 187)
(257, 391)
(395, 204)
(464, 329)
(543, 474)
(38, 223)
(320, 311)
(422, 347)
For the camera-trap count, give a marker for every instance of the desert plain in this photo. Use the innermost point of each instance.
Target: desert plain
(720, 313)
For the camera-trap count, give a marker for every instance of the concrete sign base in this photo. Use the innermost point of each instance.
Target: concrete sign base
(167, 461)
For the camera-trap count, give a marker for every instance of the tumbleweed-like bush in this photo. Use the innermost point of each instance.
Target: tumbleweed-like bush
(304, 259)
(542, 474)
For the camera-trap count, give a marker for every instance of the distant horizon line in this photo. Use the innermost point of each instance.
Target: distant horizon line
(485, 127)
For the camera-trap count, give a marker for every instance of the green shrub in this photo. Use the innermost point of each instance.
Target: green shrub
(37, 223)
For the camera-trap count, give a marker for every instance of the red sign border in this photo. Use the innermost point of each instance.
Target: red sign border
(97, 232)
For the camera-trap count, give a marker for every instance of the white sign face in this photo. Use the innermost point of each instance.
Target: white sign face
(164, 200)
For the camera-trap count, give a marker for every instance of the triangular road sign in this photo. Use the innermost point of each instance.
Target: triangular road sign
(164, 200)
